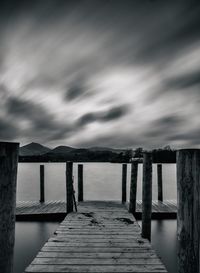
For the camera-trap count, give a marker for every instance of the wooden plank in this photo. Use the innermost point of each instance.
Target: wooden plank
(126, 255)
(96, 261)
(96, 268)
(111, 244)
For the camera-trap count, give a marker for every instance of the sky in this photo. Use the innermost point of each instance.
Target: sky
(114, 73)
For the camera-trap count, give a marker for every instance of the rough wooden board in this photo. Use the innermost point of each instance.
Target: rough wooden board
(112, 244)
(97, 268)
(132, 255)
(96, 261)
(34, 208)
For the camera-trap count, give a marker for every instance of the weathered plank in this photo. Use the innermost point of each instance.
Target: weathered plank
(57, 209)
(97, 242)
(96, 268)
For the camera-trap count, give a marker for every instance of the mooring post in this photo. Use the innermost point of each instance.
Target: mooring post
(8, 178)
(147, 195)
(160, 182)
(80, 182)
(188, 216)
(133, 187)
(124, 179)
(42, 190)
(69, 186)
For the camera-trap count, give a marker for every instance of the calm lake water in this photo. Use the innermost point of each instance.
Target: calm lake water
(102, 181)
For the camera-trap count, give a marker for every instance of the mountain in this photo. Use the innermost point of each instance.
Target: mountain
(62, 150)
(33, 149)
(35, 152)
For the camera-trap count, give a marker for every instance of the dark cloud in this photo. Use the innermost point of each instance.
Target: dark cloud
(115, 113)
(8, 130)
(192, 137)
(119, 139)
(189, 80)
(41, 121)
(164, 126)
(75, 91)
(112, 114)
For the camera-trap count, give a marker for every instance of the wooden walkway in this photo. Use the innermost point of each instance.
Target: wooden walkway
(101, 238)
(30, 210)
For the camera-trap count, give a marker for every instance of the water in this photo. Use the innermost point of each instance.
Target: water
(102, 181)
(29, 238)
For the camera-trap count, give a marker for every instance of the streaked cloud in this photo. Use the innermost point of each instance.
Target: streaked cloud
(100, 72)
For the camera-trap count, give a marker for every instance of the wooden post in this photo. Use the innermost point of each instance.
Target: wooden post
(69, 186)
(80, 182)
(42, 191)
(147, 195)
(160, 182)
(133, 187)
(124, 176)
(8, 177)
(188, 216)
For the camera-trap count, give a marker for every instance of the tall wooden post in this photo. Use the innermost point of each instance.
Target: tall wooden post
(80, 182)
(124, 179)
(42, 191)
(160, 182)
(69, 186)
(188, 216)
(133, 187)
(8, 177)
(147, 195)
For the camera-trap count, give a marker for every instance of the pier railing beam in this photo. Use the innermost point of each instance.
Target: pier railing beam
(8, 177)
(133, 187)
(42, 189)
(69, 186)
(80, 182)
(188, 216)
(160, 182)
(147, 195)
(124, 179)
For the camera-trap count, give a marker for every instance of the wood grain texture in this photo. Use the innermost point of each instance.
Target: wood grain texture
(49, 210)
(80, 182)
(124, 182)
(147, 195)
(69, 186)
(133, 187)
(42, 189)
(188, 183)
(160, 182)
(98, 240)
(8, 177)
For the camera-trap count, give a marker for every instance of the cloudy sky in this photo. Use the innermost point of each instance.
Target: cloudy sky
(113, 73)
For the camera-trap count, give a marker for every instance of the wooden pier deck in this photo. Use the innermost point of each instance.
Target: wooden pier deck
(102, 237)
(30, 210)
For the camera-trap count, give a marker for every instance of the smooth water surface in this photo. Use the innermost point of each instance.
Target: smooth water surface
(102, 181)
(29, 239)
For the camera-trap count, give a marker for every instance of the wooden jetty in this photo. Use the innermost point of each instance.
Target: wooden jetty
(104, 236)
(56, 210)
(101, 237)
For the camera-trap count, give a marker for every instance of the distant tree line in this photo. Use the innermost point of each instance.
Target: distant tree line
(160, 155)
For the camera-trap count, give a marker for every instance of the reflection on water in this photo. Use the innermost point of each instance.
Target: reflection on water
(29, 238)
(164, 241)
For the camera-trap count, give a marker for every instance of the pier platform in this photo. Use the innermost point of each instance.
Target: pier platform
(103, 237)
(56, 210)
